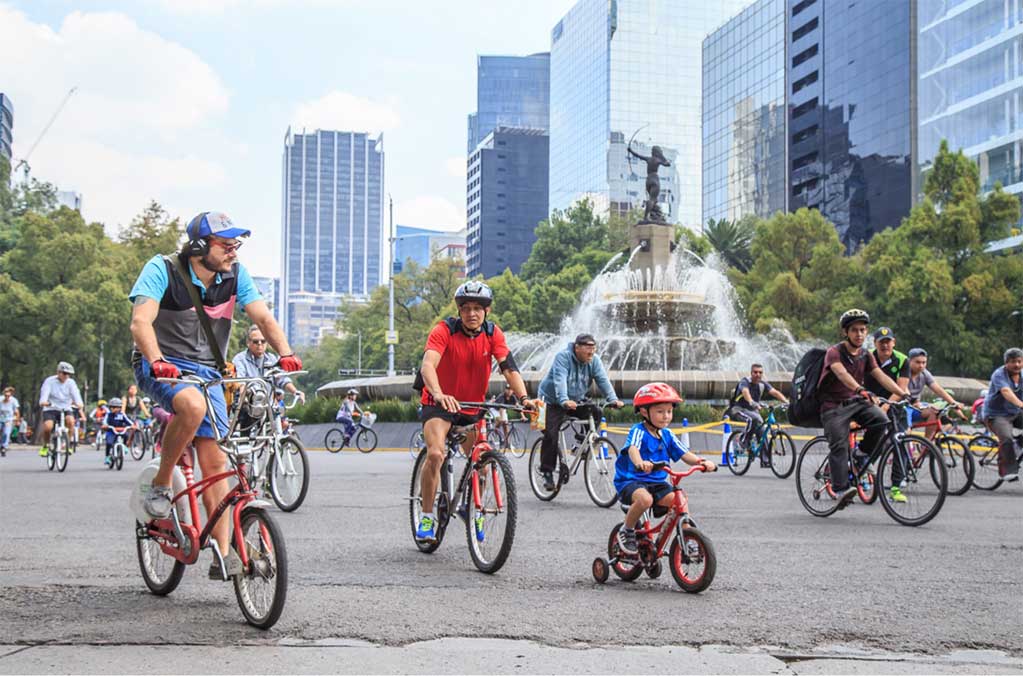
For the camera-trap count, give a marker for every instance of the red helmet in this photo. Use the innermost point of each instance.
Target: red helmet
(656, 393)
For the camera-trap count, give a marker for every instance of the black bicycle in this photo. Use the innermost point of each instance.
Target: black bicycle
(911, 475)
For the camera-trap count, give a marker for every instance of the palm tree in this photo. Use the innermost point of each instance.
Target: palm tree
(732, 239)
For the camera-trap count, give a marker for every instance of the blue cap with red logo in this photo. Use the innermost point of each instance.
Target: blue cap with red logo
(214, 223)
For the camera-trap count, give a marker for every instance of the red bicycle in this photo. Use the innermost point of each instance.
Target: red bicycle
(690, 552)
(166, 546)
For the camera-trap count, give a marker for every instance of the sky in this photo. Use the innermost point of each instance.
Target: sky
(187, 101)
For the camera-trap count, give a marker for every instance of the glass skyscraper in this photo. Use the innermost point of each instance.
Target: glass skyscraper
(6, 126)
(332, 227)
(622, 69)
(511, 91)
(744, 114)
(851, 78)
(971, 85)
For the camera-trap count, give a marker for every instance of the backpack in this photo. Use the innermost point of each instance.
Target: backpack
(804, 407)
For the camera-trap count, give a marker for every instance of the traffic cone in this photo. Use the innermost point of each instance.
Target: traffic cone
(727, 430)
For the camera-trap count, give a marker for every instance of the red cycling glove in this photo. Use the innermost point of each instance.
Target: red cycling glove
(162, 368)
(290, 362)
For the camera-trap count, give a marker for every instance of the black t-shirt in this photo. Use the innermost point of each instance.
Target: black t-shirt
(897, 366)
(756, 392)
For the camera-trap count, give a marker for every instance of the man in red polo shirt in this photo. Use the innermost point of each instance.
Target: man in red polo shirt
(456, 368)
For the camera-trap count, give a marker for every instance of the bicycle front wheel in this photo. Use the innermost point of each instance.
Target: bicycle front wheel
(599, 472)
(138, 446)
(536, 476)
(119, 459)
(693, 561)
(263, 587)
(289, 474)
(416, 444)
(912, 481)
(334, 439)
(782, 452)
(52, 451)
(736, 455)
(415, 506)
(958, 464)
(366, 440)
(813, 478)
(984, 450)
(491, 531)
(62, 455)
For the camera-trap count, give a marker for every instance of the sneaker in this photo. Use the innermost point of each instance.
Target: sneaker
(845, 496)
(43, 452)
(478, 524)
(158, 501)
(627, 541)
(897, 496)
(107, 460)
(425, 532)
(1010, 477)
(548, 481)
(233, 563)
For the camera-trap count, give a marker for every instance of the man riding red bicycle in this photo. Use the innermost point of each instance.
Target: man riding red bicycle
(169, 339)
(456, 368)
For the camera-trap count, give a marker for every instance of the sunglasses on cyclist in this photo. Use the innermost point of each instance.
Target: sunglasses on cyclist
(227, 245)
(258, 341)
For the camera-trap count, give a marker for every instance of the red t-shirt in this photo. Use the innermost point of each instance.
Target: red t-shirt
(833, 391)
(465, 363)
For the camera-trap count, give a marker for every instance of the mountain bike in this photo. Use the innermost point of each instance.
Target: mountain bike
(690, 553)
(118, 451)
(166, 546)
(484, 497)
(61, 444)
(772, 444)
(907, 462)
(592, 450)
(984, 450)
(364, 437)
(506, 437)
(279, 464)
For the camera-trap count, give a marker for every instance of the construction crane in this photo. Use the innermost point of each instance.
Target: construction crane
(23, 162)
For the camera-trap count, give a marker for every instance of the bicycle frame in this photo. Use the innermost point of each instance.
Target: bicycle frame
(769, 425)
(893, 434)
(671, 525)
(471, 472)
(581, 448)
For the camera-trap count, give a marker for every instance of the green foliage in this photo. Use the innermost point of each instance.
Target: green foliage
(732, 240)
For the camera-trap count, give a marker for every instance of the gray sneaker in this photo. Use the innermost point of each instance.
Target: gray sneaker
(234, 566)
(158, 501)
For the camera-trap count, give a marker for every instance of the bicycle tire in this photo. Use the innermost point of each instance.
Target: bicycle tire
(627, 569)
(440, 510)
(813, 478)
(51, 454)
(737, 458)
(602, 474)
(62, 457)
(782, 454)
(300, 462)
(866, 487)
(149, 552)
(333, 440)
(120, 459)
(536, 479)
(679, 556)
(416, 444)
(516, 442)
(138, 448)
(923, 500)
(268, 561)
(985, 455)
(500, 470)
(366, 440)
(959, 464)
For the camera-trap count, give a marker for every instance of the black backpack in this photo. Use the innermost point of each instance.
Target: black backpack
(804, 407)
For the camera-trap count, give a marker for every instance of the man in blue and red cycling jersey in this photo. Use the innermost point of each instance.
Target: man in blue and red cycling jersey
(456, 368)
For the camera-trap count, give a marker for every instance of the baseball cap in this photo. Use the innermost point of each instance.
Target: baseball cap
(585, 339)
(883, 333)
(214, 223)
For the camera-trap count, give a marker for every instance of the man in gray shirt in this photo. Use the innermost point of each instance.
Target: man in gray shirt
(253, 361)
(59, 395)
(1003, 407)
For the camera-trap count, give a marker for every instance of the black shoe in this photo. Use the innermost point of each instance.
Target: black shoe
(845, 496)
(548, 481)
(627, 541)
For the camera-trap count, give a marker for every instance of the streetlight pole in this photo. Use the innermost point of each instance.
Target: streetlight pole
(99, 385)
(390, 294)
(360, 353)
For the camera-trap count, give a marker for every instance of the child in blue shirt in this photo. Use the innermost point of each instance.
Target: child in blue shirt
(649, 441)
(115, 417)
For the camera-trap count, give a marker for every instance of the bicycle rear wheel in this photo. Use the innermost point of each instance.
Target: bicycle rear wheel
(160, 571)
(415, 506)
(334, 439)
(958, 464)
(289, 474)
(262, 589)
(813, 478)
(782, 452)
(599, 472)
(915, 467)
(693, 561)
(491, 531)
(984, 450)
(736, 455)
(536, 477)
(366, 440)
(62, 456)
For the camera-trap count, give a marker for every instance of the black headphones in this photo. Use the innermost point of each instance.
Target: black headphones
(200, 246)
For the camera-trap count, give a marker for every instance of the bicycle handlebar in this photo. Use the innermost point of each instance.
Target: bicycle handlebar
(490, 404)
(678, 476)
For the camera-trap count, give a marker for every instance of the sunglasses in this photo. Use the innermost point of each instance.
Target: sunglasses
(226, 245)
(258, 341)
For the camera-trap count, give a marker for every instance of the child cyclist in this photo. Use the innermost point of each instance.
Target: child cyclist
(115, 418)
(649, 441)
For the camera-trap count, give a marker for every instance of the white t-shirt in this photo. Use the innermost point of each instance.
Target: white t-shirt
(8, 409)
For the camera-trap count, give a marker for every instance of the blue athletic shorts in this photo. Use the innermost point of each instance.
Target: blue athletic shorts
(657, 489)
(163, 393)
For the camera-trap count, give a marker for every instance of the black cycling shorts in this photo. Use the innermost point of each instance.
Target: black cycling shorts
(457, 419)
(657, 489)
(55, 415)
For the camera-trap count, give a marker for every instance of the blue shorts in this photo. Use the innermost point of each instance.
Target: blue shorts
(914, 415)
(657, 489)
(163, 393)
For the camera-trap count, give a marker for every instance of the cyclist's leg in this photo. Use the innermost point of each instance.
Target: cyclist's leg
(49, 420)
(639, 500)
(551, 438)
(189, 412)
(836, 429)
(435, 433)
(1002, 427)
(212, 461)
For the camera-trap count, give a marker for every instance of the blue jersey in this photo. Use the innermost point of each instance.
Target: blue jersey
(666, 448)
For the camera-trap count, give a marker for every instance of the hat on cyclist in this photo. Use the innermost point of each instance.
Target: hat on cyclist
(214, 223)
(884, 333)
(1012, 353)
(115, 402)
(101, 402)
(585, 339)
(146, 400)
(353, 391)
(474, 291)
(982, 393)
(64, 367)
(656, 393)
(850, 317)
(917, 352)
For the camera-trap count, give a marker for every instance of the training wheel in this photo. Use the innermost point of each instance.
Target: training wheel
(600, 569)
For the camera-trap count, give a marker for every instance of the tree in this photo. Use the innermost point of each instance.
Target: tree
(732, 240)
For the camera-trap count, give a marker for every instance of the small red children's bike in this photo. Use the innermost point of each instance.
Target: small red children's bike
(690, 553)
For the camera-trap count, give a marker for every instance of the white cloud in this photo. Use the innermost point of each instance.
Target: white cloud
(344, 111)
(430, 211)
(456, 166)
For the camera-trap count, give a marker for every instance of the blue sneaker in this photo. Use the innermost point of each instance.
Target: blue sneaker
(426, 531)
(478, 523)
(106, 461)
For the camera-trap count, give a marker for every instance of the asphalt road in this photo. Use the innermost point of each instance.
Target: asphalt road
(793, 594)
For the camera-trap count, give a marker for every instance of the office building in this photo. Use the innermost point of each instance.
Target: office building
(6, 126)
(851, 81)
(629, 68)
(971, 86)
(511, 91)
(506, 185)
(423, 245)
(269, 289)
(70, 199)
(332, 240)
(744, 114)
